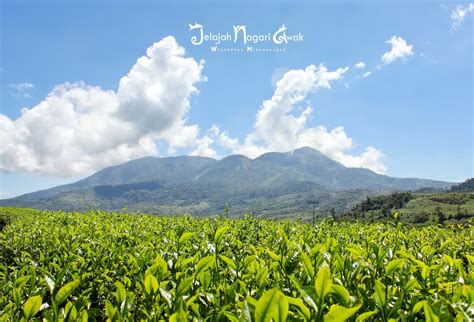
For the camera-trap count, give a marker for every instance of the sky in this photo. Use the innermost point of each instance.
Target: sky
(381, 85)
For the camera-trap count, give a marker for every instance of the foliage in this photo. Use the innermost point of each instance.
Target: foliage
(383, 204)
(417, 208)
(274, 184)
(96, 265)
(465, 186)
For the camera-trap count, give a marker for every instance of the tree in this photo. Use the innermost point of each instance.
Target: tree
(439, 214)
(467, 185)
(461, 214)
(227, 209)
(332, 212)
(314, 203)
(421, 217)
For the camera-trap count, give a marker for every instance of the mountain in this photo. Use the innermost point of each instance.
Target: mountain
(274, 183)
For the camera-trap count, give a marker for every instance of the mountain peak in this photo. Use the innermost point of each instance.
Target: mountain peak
(304, 158)
(307, 149)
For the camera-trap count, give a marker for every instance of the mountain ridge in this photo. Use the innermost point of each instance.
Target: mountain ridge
(186, 182)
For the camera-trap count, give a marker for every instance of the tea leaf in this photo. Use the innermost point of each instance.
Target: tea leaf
(65, 291)
(32, 306)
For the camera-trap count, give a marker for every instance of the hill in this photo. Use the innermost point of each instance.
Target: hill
(277, 183)
(416, 208)
(465, 186)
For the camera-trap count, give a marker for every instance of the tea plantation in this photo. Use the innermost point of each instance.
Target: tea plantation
(58, 266)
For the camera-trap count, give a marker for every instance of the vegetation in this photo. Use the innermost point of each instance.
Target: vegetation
(273, 185)
(96, 265)
(467, 185)
(382, 205)
(417, 208)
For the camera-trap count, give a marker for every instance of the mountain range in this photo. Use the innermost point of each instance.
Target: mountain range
(273, 184)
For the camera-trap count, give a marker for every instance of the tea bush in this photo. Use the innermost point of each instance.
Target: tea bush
(57, 266)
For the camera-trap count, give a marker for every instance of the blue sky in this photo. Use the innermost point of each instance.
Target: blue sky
(412, 115)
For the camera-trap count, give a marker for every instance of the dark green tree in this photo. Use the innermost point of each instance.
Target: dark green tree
(439, 214)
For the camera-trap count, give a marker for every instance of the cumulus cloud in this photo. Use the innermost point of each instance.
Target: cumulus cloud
(203, 147)
(78, 129)
(366, 74)
(278, 74)
(360, 65)
(460, 13)
(280, 127)
(20, 90)
(400, 50)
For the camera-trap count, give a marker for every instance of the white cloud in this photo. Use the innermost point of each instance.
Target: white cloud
(460, 13)
(277, 128)
(203, 147)
(20, 90)
(400, 50)
(366, 74)
(360, 65)
(78, 129)
(278, 74)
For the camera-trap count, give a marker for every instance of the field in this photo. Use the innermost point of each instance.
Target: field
(130, 266)
(447, 208)
(451, 205)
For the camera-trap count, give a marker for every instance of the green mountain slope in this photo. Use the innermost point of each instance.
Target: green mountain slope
(280, 183)
(417, 208)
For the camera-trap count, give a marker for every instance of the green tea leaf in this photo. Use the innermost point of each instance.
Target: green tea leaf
(380, 296)
(301, 307)
(151, 284)
(65, 291)
(246, 314)
(272, 305)
(262, 275)
(342, 292)
(364, 316)
(430, 316)
(184, 285)
(274, 256)
(307, 264)
(309, 296)
(21, 281)
(178, 317)
(396, 215)
(228, 261)
(185, 237)
(120, 293)
(84, 316)
(323, 282)
(220, 234)
(231, 316)
(205, 279)
(396, 263)
(203, 264)
(418, 306)
(110, 310)
(32, 306)
(339, 313)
